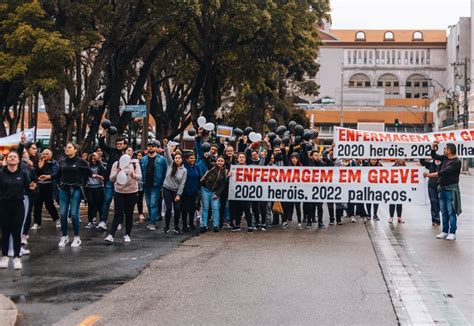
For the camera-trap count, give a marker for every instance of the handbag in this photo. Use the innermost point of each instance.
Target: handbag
(277, 207)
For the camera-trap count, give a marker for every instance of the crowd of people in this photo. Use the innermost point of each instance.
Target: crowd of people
(190, 186)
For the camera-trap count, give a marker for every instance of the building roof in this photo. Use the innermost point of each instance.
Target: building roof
(399, 36)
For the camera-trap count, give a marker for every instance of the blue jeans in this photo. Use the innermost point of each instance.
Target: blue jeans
(69, 201)
(208, 202)
(108, 196)
(153, 202)
(448, 214)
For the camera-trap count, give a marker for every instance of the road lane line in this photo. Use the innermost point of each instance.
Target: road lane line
(89, 321)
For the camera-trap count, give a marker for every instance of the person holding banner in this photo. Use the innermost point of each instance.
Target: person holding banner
(448, 188)
(397, 207)
(433, 166)
(288, 207)
(375, 206)
(239, 207)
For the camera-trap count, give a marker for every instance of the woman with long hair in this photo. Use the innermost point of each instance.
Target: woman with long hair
(173, 186)
(72, 175)
(14, 183)
(190, 192)
(95, 189)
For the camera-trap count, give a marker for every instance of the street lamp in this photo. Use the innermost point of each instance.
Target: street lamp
(425, 113)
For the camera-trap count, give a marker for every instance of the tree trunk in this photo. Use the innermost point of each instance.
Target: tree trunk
(55, 108)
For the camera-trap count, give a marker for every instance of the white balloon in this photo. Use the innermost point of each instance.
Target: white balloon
(253, 137)
(208, 126)
(259, 137)
(201, 121)
(124, 161)
(121, 178)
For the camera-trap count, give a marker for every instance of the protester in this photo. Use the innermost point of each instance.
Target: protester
(448, 189)
(173, 186)
(125, 196)
(397, 207)
(14, 183)
(239, 207)
(114, 154)
(433, 166)
(372, 213)
(95, 190)
(190, 192)
(288, 207)
(141, 218)
(153, 175)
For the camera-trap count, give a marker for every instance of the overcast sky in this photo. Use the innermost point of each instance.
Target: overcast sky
(398, 14)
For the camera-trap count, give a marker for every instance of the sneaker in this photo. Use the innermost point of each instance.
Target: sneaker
(127, 239)
(58, 224)
(321, 226)
(64, 241)
(24, 240)
(17, 263)
(235, 229)
(353, 219)
(35, 227)
(203, 229)
(284, 225)
(300, 226)
(249, 230)
(401, 220)
(215, 229)
(390, 220)
(263, 228)
(340, 223)
(4, 262)
(451, 237)
(24, 252)
(331, 222)
(166, 229)
(119, 227)
(109, 239)
(368, 218)
(102, 226)
(89, 225)
(376, 218)
(151, 227)
(442, 235)
(76, 242)
(177, 230)
(308, 225)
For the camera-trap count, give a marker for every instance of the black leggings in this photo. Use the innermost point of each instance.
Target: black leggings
(369, 209)
(188, 209)
(169, 196)
(95, 202)
(123, 206)
(309, 212)
(12, 214)
(288, 208)
(259, 210)
(239, 207)
(140, 202)
(45, 197)
(392, 208)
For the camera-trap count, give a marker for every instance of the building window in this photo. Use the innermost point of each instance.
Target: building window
(417, 36)
(424, 84)
(411, 57)
(388, 36)
(416, 85)
(377, 57)
(396, 83)
(370, 57)
(408, 84)
(428, 57)
(393, 57)
(408, 95)
(360, 36)
(359, 81)
(365, 57)
(382, 60)
(349, 57)
(399, 57)
(354, 57)
(406, 57)
(417, 59)
(390, 84)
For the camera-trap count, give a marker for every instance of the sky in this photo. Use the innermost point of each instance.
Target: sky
(398, 14)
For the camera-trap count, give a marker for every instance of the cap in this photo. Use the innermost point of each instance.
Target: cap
(155, 143)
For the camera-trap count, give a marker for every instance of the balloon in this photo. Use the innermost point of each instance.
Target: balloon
(314, 134)
(254, 137)
(298, 140)
(299, 130)
(271, 135)
(206, 147)
(309, 147)
(286, 141)
(122, 177)
(208, 126)
(201, 121)
(277, 142)
(307, 135)
(280, 130)
(124, 161)
(238, 132)
(106, 124)
(247, 131)
(113, 130)
(286, 133)
(192, 132)
(291, 125)
(272, 124)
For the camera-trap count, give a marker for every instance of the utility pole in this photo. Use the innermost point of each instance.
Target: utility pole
(342, 96)
(467, 87)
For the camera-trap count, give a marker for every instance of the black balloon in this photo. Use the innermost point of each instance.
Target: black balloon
(192, 132)
(113, 130)
(272, 124)
(286, 133)
(307, 135)
(238, 132)
(309, 147)
(298, 140)
(247, 131)
(291, 125)
(314, 134)
(206, 147)
(286, 141)
(271, 136)
(299, 130)
(279, 131)
(106, 124)
(277, 142)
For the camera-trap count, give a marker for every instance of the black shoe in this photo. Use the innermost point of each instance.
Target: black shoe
(331, 222)
(321, 226)
(177, 230)
(203, 229)
(216, 229)
(192, 227)
(166, 229)
(235, 229)
(249, 230)
(308, 225)
(376, 218)
(313, 220)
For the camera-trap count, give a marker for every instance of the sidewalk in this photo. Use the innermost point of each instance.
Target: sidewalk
(8, 312)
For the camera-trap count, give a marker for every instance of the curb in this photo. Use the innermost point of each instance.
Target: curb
(8, 312)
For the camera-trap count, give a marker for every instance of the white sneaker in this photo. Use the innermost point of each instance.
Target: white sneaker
(4, 262)
(300, 227)
(24, 239)
(64, 241)
(24, 252)
(109, 238)
(76, 242)
(17, 263)
(127, 239)
(58, 224)
(119, 227)
(102, 226)
(35, 227)
(353, 219)
(451, 237)
(442, 235)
